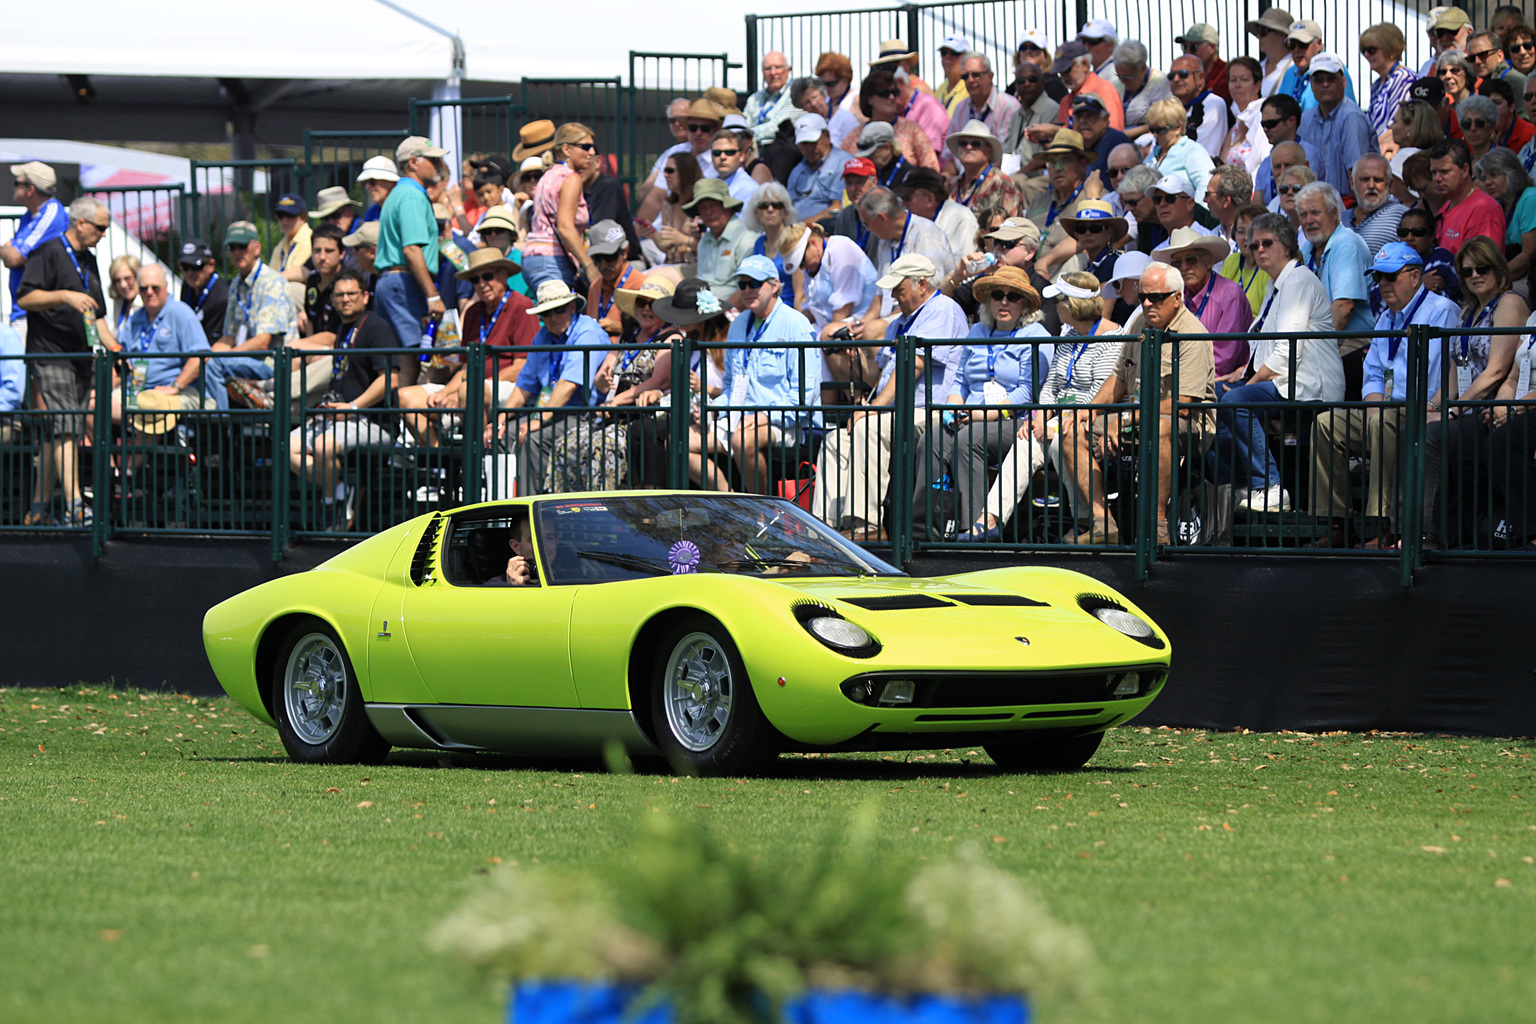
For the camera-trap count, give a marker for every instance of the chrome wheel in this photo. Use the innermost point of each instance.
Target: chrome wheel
(315, 688)
(697, 691)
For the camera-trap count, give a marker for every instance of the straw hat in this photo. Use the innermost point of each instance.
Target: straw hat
(1094, 211)
(1007, 277)
(724, 98)
(553, 295)
(1066, 142)
(1189, 238)
(482, 260)
(653, 289)
(164, 408)
(332, 199)
(534, 138)
(975, 129)
(892, 51)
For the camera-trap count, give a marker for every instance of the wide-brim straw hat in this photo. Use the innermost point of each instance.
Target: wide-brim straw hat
(653, 289)
(554, 294)
(534, 138)
(1007, 277)
(482, 260)
(157, 412)
(1094, 211)
(1189, 238)
(975, 129)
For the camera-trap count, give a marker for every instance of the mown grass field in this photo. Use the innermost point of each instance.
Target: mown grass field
(164, 861)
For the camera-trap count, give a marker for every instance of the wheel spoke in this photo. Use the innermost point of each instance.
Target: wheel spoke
(315, 688)
(697, 693)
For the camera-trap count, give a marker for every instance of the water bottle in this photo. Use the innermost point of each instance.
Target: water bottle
(428, 339)
(980, 265)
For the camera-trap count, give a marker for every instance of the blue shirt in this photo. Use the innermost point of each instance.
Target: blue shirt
(546, 369)
(407, 219)
(1340, 138)
(1187, 156)
(1440, 261)
(32, 230)
(1425, 308)
(1342, 268)
(939, 319)
(176, 329)
(813, 189)
(13, 372)
(1018, 367)
(1299, 86)
(770, 376)
(1264, 177)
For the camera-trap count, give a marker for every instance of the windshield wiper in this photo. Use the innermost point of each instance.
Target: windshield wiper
(769, 563)
(634, 562)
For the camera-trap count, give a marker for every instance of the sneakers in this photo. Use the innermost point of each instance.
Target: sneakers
(248, 393)
(79, 514)
(1271, 499)
(344, 508)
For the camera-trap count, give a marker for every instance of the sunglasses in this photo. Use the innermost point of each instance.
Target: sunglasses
(1091, 41)
(1475, 123)
(1520, 47)
(1480, 54)
(1262, 243)
(1445, 33)
(1185, 262)
(669, 170)
(1156, 298)
(1030, 79)
(1369, 51)
(586, 146)
(1163, 199)
(152, 288)
(1296, 44)
(746, 284)
(1479, 269)
(889, 94)
(1403, 232)
(1163, 129)
(831, 83)
(1324, 78)
(1091, 229)
(607, 257)
(998, 295)
(1289, 190)
(724, 152)
(771, 204)
(1382, 276)
(699, 129)
(1181, 73)
(1448, 72)
(1271, 123)
(975, 74)
(972, 144)
(1115, 172)
(484, 278)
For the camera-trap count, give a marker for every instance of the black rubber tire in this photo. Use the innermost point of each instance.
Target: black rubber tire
(352, 739)
(745, 742)
(1042, 751)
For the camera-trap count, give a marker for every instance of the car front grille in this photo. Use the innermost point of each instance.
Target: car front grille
(1002, 689)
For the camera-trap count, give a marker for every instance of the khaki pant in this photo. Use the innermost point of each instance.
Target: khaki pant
(854, 471)
(1339, 433)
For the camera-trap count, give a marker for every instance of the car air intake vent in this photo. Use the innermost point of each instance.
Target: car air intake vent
(898, 602)
(999, 600)
(426, 548)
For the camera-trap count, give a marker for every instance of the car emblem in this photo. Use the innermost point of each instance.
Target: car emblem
(1023, 640)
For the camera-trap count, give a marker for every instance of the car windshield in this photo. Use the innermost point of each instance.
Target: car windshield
(634, 536)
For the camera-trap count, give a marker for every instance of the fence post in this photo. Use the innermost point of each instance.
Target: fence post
(474, 422)
(903, 458)
(282, 414)
(914, 27)
(1082, 19)
(101, 455)
(751, 57)
(677, 420)
(1148, 429)
(1412, 442)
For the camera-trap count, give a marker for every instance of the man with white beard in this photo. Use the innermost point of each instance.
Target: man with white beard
(1376, 212)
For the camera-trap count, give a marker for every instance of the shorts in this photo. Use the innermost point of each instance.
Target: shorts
(56, 385)
(346, 432)
(723, 430)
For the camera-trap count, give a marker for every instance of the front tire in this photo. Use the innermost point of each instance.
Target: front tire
(1042, 751)
(705, 715)
(316, 702)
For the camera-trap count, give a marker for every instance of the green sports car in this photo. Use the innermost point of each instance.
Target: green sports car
(715, 630)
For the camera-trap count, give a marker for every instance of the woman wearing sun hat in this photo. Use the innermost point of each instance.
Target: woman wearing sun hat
(635, 376)
(1079, 368)
(696, 309)
(979, 155)
(1095, 226)
(997, 367)
(556, 247)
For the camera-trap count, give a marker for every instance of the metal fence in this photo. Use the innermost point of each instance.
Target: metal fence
(996, 26)
(1388, 477)
(336, 157)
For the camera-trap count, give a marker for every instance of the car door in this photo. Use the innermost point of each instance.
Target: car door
(490, 645)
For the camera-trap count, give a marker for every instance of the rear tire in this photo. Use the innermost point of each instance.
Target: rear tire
(706, 718)
(316, 702)
(1042, 751)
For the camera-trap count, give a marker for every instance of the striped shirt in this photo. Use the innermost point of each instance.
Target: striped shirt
(1388, 93)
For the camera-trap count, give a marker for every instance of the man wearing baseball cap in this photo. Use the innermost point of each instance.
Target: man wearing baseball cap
(260, 317)
(1203, 42)
(290, 254)
(854, 472)
(1305, 41)
(408, 244)
(1337, 127)
(816, 184)
(766, 374)
(203, 288)
(858, 176)
(378, 180)
(1338, 433)
(45, 219)
(952, 90)
(1100, 37)
(1448, 28)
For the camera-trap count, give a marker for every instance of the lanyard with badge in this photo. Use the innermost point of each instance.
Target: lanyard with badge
(1210, 286)
(339, 363)
(1054, 211)
(1461, 354)
(993, 393)
(896, 167)
(981, 179)
(1393, 344)
(896, 252)
(604, 307)
(202, 298)
(487, 328)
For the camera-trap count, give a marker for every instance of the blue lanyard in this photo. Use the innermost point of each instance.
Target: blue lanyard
(915, 95)
(85, 275)
(123, 319)
(1077, 351)
(603, 307)
(206, 289)
(339, 364)
(863, 233)
(1530, 160)
(250, 293)
(486, 329)
(1053, 212)
(1393, 344)
(141, 342)
(1302, 78)
(896, 253)
(1269, 300)
(766, 110)
(895, 167)
(1468, 320)
(1210, 286)
(1245, 285)
(992, 353)
(757, 336)
(983, 177)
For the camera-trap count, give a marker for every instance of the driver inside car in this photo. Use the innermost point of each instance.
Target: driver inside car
(522, 568)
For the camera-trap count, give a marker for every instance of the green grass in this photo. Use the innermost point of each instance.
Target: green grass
(165, 862)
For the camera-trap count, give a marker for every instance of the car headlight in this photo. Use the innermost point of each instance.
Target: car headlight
(1124, 622)
(839, 633)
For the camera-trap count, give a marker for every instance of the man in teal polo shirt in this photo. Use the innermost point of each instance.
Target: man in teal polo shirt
(407, 258)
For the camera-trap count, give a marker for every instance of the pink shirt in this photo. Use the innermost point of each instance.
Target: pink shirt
(1478, 214)
(542, 239)
(1223, 307)
(931, 117)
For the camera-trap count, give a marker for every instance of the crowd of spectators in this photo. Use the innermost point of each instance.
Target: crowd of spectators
(1008, 215)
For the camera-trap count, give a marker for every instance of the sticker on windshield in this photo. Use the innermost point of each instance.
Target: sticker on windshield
(565, 510)
(683, 557)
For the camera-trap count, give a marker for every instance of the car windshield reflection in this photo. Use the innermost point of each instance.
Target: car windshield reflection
(588, 540)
